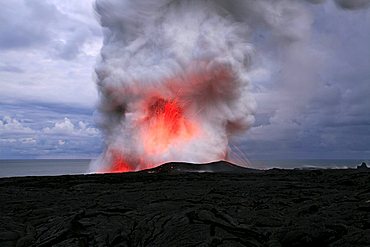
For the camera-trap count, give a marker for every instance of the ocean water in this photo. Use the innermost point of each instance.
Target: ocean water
(49, 167)
(43, 167)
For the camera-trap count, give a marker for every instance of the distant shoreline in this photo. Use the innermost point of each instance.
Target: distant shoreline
(56, 167)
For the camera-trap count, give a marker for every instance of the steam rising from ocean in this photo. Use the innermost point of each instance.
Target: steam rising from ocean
(174, 75)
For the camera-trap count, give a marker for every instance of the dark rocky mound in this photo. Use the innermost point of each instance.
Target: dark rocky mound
(276, 208)
(363, 167)
(214, 167)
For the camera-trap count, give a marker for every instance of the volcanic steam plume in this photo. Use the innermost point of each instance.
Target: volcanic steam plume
(173, 76)
(173, 82)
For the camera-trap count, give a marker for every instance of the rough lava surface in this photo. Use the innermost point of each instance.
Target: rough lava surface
(169, 206)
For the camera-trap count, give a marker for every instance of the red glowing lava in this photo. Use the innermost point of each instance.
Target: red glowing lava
(162, 125)
(118, 164)
(165, 124)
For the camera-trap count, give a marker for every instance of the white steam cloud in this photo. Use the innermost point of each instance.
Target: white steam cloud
(173, 76)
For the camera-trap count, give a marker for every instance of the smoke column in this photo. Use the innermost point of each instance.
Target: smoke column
(173, 75)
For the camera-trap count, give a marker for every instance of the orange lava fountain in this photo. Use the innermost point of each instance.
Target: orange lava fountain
(163, 127)
(165, 124)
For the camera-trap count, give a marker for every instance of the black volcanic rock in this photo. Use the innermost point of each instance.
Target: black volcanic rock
(161, 207)
(214, 167)
(363, 167)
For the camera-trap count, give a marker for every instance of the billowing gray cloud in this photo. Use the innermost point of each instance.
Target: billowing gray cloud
(322, 114)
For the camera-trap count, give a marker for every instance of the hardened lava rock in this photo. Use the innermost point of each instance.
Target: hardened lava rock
(169, 206)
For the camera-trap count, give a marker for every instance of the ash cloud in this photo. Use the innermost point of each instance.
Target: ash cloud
(193, 53)
(200, 53)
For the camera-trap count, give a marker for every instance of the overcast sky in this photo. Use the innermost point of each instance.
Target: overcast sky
(48, 49)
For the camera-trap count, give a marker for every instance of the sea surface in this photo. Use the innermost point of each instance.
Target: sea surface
(53, 167)
(43, 167)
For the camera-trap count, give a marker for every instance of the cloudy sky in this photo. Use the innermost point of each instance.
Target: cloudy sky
(48, 49)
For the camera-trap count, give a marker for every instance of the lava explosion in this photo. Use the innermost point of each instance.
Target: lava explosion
(173, 77)
(173, 83)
